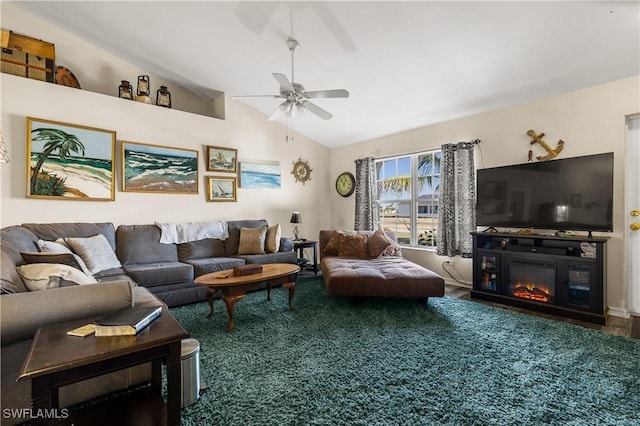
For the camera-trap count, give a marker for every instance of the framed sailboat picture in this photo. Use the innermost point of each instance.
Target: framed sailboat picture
(69, 161)
(222, 188)
(221, 159)
(162, 169)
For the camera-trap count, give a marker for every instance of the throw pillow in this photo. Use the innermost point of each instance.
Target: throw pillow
(252, 240)
(333, 245)
(60, 246)
(274, 234)
(59, 258)
(354, 245)
(96, 252)
(380, 244)
(41, 276)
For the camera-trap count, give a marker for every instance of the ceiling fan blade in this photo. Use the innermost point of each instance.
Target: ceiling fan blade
(256, 96)
(283, 81)
(338, 93)
(325, 115)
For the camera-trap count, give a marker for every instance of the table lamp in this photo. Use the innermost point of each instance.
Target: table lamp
(295, 219)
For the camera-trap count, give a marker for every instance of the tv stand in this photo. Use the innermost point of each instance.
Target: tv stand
(558, 275)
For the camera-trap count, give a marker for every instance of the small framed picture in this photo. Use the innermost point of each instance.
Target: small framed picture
(220, 159)
(222, 188)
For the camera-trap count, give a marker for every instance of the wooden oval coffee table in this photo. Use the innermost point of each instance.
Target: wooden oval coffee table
(234, 288)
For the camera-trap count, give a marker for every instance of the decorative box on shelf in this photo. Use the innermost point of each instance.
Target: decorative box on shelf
(27, 57)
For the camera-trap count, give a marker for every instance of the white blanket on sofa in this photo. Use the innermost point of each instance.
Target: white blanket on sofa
(175, 233)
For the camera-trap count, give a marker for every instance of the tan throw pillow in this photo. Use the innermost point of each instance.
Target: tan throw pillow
(41, 276)
(252, 240)
(380, 244)
(274, 234)
(354, 245)
(96, 252)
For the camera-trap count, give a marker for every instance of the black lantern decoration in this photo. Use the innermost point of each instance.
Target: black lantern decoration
(163, 97)
(125, 91)
(144, 89)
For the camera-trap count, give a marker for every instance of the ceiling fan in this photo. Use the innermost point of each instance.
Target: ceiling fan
(296, 99)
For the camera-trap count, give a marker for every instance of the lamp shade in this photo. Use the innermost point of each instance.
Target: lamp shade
(296, 217)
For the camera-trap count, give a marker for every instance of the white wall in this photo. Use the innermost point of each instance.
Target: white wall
(244, 129)
(590, 121)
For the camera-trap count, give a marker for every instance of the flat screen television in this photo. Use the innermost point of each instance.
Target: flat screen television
(571, 194)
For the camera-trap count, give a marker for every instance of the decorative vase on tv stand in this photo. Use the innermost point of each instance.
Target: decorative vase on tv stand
(163, 97)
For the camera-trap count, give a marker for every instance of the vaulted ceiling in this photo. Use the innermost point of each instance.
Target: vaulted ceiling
(405, 64)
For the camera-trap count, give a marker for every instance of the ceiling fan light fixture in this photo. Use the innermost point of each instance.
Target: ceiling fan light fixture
(300, 108)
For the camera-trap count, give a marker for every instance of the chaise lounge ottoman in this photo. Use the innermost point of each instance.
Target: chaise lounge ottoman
(358, 273)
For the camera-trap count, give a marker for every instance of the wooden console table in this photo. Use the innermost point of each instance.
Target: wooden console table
(56, 359)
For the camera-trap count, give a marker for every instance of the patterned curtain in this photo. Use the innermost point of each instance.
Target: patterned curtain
(366, 200)
(457, 200)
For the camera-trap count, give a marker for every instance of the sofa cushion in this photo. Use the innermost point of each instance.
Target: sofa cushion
(95, 251)
(278, 257)
(53, 231)
(379, 277)
(252, 240)
(42, 276)
(213, 264)
(78, 302)
(160, 273)
(19, 238)
(209, 247)
(274, 234)
(10, 281)
(139, 244)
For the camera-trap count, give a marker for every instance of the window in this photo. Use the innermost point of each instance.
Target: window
(407, 193)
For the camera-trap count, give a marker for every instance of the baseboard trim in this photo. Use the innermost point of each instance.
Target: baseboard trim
(618, 312)
(451, 281)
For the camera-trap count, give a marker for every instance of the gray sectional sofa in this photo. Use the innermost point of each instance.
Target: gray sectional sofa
(149, 273)
(166, 270)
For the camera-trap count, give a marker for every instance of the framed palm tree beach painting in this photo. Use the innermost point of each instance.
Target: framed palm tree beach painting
(155, 168)
(69, 161)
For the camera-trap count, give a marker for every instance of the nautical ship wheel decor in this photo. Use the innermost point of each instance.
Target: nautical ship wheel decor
(301, 170)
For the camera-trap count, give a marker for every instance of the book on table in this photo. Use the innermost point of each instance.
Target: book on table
(127, 321)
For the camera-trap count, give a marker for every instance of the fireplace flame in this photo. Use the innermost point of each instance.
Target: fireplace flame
(535, 292)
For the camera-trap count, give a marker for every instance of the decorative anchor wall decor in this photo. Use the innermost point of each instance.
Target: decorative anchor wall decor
(551, 153)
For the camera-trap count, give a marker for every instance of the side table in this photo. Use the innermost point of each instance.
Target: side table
(56, 359)
(300, 245)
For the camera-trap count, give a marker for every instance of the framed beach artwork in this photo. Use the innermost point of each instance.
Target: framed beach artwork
(260, 175)
(161, 169)
(69, 161)
(221, 159)
(222, 188)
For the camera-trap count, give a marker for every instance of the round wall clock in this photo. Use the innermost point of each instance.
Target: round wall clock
(301, 171)
(345, 184)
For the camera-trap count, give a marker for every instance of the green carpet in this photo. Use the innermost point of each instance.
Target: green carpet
(395, 362)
